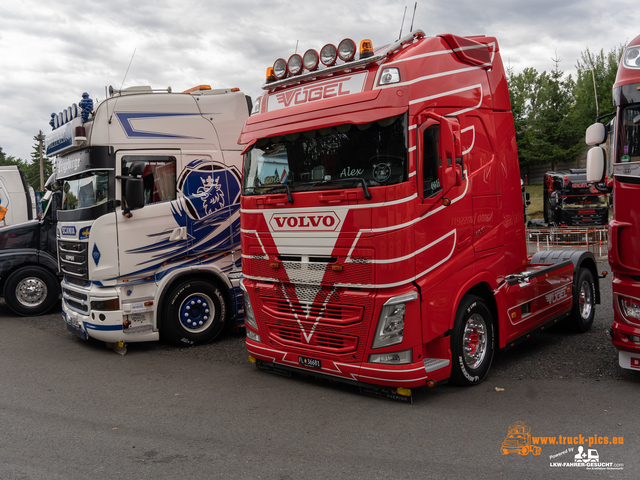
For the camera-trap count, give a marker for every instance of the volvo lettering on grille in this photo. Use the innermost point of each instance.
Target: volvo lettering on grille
(304, 222)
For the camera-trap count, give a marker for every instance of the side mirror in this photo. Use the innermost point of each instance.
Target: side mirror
(552, 201)
(596, 134)
(447, 154)
(134, 193)
(596, 165)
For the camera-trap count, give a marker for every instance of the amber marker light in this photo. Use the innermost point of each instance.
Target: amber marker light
(271, 77)
(446, 202)
(337, 268)
(197, 88)
(366, 48)
(274, 265)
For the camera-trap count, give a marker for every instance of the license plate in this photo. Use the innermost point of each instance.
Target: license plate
(309, 362)
(629, 360)
(76, 331)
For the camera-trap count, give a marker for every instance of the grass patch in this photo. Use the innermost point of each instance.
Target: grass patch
(536, 209)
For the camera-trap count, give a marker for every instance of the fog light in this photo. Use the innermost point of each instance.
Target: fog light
(630, 309)
(251, 335)
(634, 339)
(392, 358)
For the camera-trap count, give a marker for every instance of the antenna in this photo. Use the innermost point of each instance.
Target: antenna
(296, 51)
(415, 5)
(123, 79)
(402, 24)
(593, 75)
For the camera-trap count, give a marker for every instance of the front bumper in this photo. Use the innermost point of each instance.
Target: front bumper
(410, 375)
(106, 326)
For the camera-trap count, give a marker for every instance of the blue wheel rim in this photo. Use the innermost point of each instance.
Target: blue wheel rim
(196, 313)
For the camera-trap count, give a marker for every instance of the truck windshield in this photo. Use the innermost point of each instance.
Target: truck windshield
(584, 201)
(85, 190)
(341, 156)
(629, 141)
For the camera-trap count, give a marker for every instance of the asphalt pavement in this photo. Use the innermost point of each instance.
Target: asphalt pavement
(71, 409)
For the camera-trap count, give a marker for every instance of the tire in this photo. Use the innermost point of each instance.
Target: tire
(472, 342)
(31, 291)
(584, 308)
(194, 314)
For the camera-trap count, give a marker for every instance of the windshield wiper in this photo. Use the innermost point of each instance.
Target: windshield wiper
(362, 181)
(276, 185)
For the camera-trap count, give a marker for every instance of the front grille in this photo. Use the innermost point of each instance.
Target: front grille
(76, 305)
(73, 259)
(78, 295)
(329, 313)
(333, 319)
(336, 344)
(77, 281)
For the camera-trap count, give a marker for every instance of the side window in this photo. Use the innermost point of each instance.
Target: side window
(430, 161)
(159, 176)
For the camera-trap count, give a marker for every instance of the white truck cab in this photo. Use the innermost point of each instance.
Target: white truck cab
(150, 214)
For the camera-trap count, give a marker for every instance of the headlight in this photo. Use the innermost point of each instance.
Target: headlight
(390, 327)
(389, 76)
(328, 55)
(249, 317)
(630, 308)
(393, 358)
(632, 57)
(294, 65)
(310, 60)
(280, 68)
(105, 305)
(346, 49)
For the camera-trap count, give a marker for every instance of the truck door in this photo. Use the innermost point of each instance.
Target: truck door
(211, 192)
(154, 237)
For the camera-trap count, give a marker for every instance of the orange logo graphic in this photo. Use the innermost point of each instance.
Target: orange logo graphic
(519, 440)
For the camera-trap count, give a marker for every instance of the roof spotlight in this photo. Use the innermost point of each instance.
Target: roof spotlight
(310, 60)
(346, 49)
(328, 55)
(294, 64)
(280, 68)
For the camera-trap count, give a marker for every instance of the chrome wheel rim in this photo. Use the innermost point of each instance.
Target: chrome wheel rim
(586, 299)
(31, 291)
(474, 341)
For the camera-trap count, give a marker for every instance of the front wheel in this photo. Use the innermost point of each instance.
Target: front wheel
(585, 307)
(31, 291)
(472, 342)
(195, 313)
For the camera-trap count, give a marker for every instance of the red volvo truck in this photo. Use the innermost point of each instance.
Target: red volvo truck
(622, 138)
(383, 237)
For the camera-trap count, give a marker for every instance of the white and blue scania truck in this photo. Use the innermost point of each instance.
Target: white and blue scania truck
(150, 214)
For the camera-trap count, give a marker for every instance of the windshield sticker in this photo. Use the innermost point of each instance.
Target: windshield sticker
(381, 172)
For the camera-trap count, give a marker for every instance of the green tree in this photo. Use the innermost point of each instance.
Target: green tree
(543, 106)
(32, 169)
(602, 67)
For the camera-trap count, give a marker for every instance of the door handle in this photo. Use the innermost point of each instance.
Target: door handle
(179, 233)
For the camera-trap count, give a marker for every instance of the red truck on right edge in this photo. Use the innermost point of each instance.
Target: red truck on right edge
(624, 230)
(383, 238)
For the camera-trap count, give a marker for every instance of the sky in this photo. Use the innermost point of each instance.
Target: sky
(51, 52)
